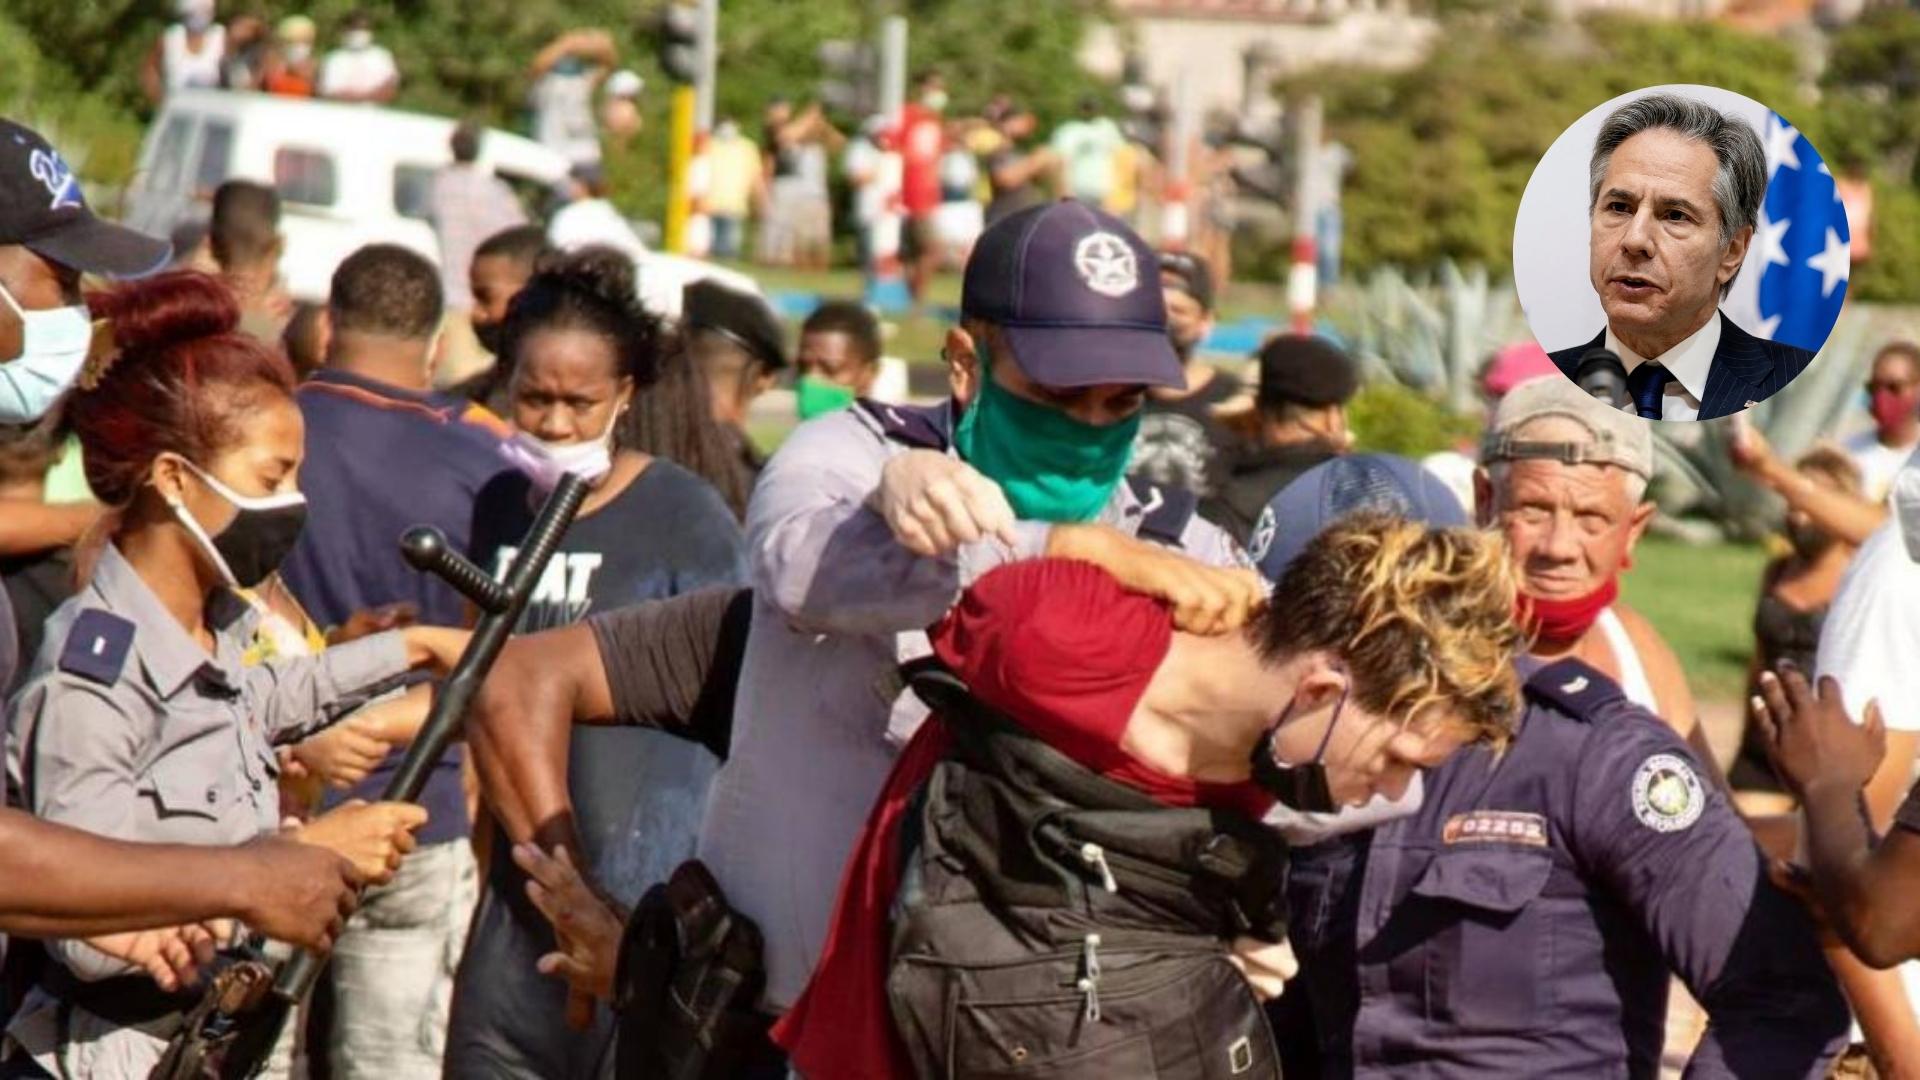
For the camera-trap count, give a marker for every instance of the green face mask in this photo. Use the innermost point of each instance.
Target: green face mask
(814, 395)
(1052, 467)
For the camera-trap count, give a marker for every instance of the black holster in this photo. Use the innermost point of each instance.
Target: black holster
(690, 975)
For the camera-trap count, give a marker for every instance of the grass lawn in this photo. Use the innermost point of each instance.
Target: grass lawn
(1701, 600)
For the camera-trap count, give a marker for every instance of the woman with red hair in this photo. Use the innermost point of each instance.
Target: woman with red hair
(141, 721)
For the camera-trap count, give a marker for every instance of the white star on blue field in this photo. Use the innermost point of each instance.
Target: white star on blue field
(1802, 237)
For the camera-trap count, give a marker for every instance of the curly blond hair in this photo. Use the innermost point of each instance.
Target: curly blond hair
(1423, 618)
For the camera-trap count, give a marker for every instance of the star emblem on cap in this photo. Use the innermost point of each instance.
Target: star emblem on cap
(1106, 264)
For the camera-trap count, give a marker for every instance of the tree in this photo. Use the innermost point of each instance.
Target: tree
(1443, 151)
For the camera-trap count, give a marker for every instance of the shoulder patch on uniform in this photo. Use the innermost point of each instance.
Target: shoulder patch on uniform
(1574, 687)
(1164, 510)
(97, 646)
(918, 426)
(1667, 793)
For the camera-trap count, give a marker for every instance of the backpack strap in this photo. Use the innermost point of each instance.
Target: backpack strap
(1164, 511)
(921, 427)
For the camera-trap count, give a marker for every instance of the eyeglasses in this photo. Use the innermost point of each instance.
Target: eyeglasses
(1891, 386)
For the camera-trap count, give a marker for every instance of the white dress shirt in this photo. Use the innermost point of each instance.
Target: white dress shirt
(1688, 362)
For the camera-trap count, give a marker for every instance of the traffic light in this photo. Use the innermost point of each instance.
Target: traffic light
(679, 32)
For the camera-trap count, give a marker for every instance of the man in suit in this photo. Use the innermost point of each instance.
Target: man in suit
(1675, 194)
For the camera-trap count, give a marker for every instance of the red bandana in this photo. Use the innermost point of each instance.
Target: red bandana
(1558, 621)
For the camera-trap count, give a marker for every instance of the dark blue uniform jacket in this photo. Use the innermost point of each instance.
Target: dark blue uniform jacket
(1526, 920)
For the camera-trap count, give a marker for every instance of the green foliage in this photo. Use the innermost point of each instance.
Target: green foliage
(98, 138)
(1393, 418)
(1893, 271)
(1873, 73)
(1443, 151)
(470, 58)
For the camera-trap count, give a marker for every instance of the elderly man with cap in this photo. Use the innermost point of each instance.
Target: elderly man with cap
(1183, 437)
(1565, 478)
(1524, 915)
(1299, 420)
(869, 521)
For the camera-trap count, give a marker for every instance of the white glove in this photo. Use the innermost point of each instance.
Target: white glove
(934, 503)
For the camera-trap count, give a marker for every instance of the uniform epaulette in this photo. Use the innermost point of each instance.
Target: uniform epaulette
(1164, 511)
(1576, 688)
(97, 646)
(918, 426)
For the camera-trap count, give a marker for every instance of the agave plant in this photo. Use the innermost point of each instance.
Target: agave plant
(1434, 336)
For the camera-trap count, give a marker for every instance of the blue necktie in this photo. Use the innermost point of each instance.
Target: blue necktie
(1647, 383)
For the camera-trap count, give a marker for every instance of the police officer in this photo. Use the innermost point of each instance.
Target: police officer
(141, 721)
(1525, 920)
(870, 520)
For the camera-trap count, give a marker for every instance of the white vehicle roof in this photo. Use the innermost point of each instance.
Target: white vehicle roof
(392, 133)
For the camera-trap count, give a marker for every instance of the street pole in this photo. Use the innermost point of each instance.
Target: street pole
(893, 67)
(679, 157)
(1302, 283)
(709, 60)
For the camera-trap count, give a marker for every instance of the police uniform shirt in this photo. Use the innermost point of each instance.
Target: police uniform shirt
(1526, 921)
(130, 729)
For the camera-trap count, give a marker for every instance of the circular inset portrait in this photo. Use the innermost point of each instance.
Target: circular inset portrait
(1681, 252)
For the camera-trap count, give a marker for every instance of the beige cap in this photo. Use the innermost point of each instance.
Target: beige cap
(1614, 437)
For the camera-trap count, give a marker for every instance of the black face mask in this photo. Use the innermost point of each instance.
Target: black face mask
(257, 540)
(1301, 787)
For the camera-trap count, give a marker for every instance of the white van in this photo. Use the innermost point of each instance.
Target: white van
(347, 174)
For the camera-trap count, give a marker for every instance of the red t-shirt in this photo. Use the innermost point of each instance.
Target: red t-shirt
(1061, 648)
(922, 138)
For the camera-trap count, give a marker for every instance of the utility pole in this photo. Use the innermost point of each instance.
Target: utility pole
(688, 48)
(1302, 278)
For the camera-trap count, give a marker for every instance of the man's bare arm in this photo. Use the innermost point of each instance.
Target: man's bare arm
(62, 882)
(28, 527)
(666, 664)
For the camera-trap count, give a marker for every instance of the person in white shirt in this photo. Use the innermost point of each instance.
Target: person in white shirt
(359, 70)
(1894, 399)
(189, 53)
(566, 74)
(1675, 191)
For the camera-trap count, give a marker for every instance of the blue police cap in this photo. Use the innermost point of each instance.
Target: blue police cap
(1347, 485)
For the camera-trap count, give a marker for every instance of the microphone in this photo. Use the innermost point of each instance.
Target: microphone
(1601, 374)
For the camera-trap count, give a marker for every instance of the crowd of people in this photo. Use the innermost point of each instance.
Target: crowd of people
(1105, 715)
(921, 186)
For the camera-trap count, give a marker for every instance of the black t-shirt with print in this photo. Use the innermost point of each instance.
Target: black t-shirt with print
(638, 794)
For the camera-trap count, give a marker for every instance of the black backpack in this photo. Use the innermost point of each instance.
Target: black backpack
(1052, 923)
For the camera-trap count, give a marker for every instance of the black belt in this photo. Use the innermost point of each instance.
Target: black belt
(124, 1000)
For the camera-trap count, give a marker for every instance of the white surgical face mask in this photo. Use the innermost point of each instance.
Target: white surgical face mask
(935, 100)
(1304, 829)
(357, 39)
(53, 347)
(298, 52)
(544, 462)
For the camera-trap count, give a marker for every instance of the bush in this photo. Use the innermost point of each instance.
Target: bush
(1392, 418)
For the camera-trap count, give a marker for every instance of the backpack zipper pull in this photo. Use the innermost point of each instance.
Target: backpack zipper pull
(1096, 857)
(1089, 983)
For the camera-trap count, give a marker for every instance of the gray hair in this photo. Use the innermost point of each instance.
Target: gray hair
(1741, 181)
